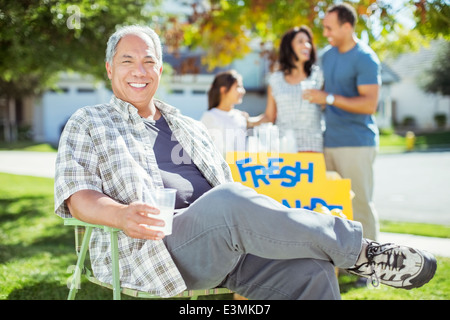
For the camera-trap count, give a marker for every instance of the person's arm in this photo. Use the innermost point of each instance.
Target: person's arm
(365, 103)
(270, 115)
(94, 207)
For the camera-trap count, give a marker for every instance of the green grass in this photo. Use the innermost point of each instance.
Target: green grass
(420, 229)
(437, 289)
(27, 146)
(391, 142)
(36, 251)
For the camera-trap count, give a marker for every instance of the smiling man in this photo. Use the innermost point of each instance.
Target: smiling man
(135, 69)
(113, 156)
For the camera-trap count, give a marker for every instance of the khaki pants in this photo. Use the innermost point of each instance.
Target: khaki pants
(356, 164)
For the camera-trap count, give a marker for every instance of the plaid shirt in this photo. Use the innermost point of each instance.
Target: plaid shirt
(104, 148)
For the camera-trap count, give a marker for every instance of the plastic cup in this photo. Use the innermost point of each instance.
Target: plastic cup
(165, 202)
(308, 84)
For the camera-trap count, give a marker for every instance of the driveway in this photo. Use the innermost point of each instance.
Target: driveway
(41, 164)
(413, 187)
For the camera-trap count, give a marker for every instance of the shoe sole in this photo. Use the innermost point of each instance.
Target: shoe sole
(427, 272)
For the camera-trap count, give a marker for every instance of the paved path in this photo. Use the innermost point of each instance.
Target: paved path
(437, 246)
(413, 187)
(40, 164)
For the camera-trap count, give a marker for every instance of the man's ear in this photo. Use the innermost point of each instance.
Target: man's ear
(160, 70)
(108, 70)
(348, 27)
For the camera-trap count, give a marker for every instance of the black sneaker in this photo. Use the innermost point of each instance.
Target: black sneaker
(394, 265)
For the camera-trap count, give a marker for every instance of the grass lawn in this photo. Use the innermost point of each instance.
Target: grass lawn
(36, 251)
(391, 142)
(27, 146)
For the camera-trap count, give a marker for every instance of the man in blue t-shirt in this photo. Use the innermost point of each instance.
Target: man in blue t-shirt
(352, 83)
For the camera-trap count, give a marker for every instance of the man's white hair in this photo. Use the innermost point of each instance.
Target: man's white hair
(141, 31)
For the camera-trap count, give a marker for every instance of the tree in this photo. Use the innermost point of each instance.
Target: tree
(225, 29)
(433, 18)
(437, 79)
(40, 38)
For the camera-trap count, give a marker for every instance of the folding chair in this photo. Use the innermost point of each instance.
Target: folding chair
(83, 233)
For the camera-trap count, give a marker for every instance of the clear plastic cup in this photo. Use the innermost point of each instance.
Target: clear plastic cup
(165, 202)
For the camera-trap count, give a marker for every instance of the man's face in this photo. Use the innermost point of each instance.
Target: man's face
(332, 30)
(135, 71)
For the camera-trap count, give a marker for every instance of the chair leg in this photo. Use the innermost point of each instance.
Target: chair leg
(115, 265)
(75, 282)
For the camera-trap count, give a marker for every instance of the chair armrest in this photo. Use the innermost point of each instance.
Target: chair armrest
(79, 223)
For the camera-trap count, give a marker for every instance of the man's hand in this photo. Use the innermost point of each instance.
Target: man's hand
(137, 219)
(365, 103)
(315, 96)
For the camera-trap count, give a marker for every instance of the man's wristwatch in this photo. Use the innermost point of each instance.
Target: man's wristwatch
(330, 99)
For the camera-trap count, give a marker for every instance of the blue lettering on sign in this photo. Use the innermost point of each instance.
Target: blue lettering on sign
(314, 203)
(286, 203)
(290, 174)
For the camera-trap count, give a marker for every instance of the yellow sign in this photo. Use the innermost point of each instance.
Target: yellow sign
(297, 180)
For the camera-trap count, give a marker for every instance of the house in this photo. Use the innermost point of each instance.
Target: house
(187, 92)
(384, 111)
(185, 88)
(188, 86)
(411, 106)
(54, 107)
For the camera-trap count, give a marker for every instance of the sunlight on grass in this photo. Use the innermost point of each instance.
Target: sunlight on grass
(36, 251)
(420, 229)
(27, 146)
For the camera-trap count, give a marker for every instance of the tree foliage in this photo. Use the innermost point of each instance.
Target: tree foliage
(437, 79)
(433, 18)
(39, 38)
(224, 29)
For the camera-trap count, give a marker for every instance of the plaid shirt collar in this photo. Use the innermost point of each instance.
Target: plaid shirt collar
(128, 111)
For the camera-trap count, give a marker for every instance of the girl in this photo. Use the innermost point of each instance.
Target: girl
(226, 125)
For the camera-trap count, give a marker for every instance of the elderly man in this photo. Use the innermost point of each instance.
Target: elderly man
(111, 158)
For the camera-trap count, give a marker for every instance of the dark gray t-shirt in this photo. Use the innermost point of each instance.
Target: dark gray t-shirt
(177, 169)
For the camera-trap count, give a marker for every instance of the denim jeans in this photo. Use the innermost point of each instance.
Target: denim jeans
(253, 245)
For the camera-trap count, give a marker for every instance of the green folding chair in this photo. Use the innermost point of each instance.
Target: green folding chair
(83, 233)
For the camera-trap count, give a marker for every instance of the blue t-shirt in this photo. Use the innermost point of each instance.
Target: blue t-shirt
(343, 73)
